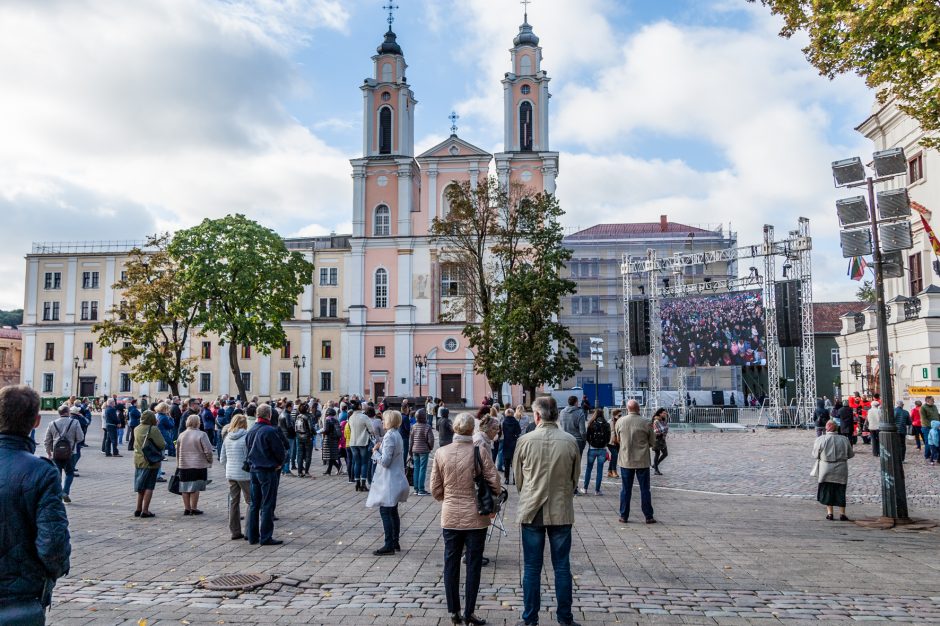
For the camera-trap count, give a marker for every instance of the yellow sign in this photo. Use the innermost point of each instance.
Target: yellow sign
(923, 391)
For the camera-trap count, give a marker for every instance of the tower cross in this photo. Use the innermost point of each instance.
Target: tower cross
(525, 8)
(453, 117)
(391, 13)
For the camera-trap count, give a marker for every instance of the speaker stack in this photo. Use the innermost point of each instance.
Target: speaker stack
(640, 327)
(787, 312)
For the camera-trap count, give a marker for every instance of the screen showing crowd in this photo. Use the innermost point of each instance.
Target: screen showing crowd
(718, 330)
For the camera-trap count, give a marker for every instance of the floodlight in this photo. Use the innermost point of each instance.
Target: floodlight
(893, 204)
(890, 162)
(895, 236)
(848, 171)
(855, 242)
(852, 211)
(892, 264)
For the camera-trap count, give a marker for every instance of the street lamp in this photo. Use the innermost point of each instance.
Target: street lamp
(421, 362)
(597, 357)
(78, 369)
(620, 364)
(300, 362)
(878, 228)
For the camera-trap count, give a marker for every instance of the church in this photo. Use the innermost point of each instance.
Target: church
(396, 281)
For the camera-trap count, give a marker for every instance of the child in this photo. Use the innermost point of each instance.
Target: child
(933, 442)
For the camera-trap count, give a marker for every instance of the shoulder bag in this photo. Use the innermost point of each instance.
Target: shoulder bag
(173, 484)
(151, 452)
(485, 500)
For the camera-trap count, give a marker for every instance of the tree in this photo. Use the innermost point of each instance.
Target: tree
(540, 350)
(245, 281)
(866, 293)
(11, 318)
(153, 321)
(893, 44)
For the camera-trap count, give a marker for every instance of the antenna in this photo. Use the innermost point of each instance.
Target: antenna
(453, 117)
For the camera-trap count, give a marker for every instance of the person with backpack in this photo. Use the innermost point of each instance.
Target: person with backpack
(597, 436)
(62, 439)
(304, 431)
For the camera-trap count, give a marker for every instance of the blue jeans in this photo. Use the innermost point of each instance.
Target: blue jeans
(533, 551)
(421, 471)
(626, 491)
(391, 522)
(76, 456)
(933, 453)
(359, 459)
(291, 458)
(598, 455)
(69, 468)
(260, 523)
(168, 437)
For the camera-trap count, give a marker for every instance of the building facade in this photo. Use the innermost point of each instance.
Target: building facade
(913, 299)
(11, 352)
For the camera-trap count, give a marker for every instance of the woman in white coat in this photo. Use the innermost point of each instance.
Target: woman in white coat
(832, 452)
(389, 484)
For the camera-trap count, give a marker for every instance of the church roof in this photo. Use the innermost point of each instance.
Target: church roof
(390, 45)
(454, 146)
(525, 36)
(662, 228)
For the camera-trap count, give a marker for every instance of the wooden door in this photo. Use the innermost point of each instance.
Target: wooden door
(450, 388)
(86, 387)
(378, 391)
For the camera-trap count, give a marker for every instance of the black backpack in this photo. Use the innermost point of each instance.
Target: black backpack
(598, 434)
(61, 448)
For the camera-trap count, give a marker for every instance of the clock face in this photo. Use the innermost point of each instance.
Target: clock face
(381, 181)
(526, 176)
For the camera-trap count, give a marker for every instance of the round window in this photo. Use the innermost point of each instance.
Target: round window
(450, 344)
(386, 96)
(525, 90)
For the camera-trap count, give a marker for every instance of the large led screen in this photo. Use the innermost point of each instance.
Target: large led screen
(717, 330)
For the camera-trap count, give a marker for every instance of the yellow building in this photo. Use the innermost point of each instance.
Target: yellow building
(10, 356)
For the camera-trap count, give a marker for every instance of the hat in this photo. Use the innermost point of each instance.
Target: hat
(75, 410)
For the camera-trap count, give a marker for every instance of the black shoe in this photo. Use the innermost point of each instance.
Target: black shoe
(187, 512)
(397, 547)
(161, 479)
(455, 618)
(658, 473)
(147, 514)
(136, 513)
(75, 475)
(473, 619)
(484, 562)
(276, 518)
(195, 512)
(272, 542)
(843, 518)
(238, 536)
(829, 517)
(650, 520)
(384, 552)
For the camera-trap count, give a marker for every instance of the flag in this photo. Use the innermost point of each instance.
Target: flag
(857, 267)
(934, 243)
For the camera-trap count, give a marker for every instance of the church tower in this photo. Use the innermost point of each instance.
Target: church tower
(527, 158)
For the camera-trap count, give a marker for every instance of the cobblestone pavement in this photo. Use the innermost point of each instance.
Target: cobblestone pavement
(740, 541)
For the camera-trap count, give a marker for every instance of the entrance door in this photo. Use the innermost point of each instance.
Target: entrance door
(86, 387)
(378, 391)
(450, 388)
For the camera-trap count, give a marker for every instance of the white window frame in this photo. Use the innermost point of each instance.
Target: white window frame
(331, 304)
(380, 289)
(449, 280)
(320, 381)
(203, 377)
(246, 380)
(378, 352)
(280, 381)
(48, 382)
(121, 379)
(835, 359)
(383, 229)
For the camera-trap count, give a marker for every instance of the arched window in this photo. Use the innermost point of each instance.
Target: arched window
(525, 65)
(525, 126)
(381, 288)
(382, 226)
(445, 199)
(385, 130)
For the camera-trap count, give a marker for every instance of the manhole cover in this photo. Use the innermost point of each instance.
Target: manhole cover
(236, 582)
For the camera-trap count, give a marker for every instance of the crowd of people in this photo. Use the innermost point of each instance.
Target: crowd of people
(720, 330)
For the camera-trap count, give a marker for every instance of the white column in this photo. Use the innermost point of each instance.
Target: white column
(187, 351)
(28, 362)
(351, 340)
(106, 364)
(306, 352)
(68, 367)
(404, 200)
(32, 292)
(432, 194)
(404, 277)
(264, 387)
(224, 375)
(507, 116)
(70, 287)
(359, 200)
(474, 177)
(468, 377)
(543, 118)
(306, 299)
(108, 282)
(353, 276)
(404, 362)
(366, 123)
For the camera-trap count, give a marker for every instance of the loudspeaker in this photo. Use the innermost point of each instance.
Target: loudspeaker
(787, 312)
(718, 398)
(639, 327)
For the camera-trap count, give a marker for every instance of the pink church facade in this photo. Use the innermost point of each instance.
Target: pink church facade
(396, 285)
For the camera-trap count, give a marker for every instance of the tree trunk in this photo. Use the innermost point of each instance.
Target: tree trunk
(174, 387)
(236, 371)
(495, 389)
(530, 393)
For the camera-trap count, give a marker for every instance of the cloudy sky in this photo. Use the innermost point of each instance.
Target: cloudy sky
(118, 119)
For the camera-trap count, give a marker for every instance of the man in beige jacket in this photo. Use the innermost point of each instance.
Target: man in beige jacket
(547, 465)
(635, 437)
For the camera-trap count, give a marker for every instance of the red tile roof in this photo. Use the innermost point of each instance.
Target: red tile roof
(826, 315)
(636, 229)
(10, 333)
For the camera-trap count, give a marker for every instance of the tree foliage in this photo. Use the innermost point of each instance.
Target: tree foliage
(246, 281)
(11, 318)
(866, 292)
(152, 324)
(893, 44)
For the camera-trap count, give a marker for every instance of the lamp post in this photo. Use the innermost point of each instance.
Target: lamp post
(856, 368)
(620, 365)
(300, 362)
(78, 368)
(882, 229)
(421, 362)
(597, 357)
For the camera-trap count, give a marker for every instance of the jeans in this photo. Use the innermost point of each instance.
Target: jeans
(500, 459)
(112, 441)
(598, 455)
(391, 522)
(660, 455)
(69, 468)
(614, 453)
(507, 462)
(360, 457)
(420, 474)
(168, 438)
(533, 551)
(933, 453)
(626, 491)
(454, 543)
(76, 457)
(237, 489)
(304, 455)
(918, 436)
(260, 523)
(290, 460)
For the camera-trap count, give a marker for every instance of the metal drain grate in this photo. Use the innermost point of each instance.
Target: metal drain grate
(236, 582)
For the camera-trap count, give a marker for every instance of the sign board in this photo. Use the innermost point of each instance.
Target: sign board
(923, 391)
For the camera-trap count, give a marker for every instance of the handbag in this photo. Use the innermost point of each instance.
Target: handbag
(659, 444)
(815, 470)
(22, 612)
(173, 485)
(410, 472)
(485, 499)
(151, 452)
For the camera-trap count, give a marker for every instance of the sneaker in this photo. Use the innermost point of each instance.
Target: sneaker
(598, 492)
(66, 498)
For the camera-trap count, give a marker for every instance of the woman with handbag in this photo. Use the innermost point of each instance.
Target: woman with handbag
(832, 452)
(193, 458)
(389, 485)
(148, 454)
(420, 443)
(453, 484)
(660, 429)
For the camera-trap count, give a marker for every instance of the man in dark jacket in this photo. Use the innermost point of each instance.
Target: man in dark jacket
(176, 412)
(847, 423)
(34, 529)
(266, 455)
(112, 420)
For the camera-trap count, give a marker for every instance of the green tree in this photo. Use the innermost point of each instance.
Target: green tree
(540, 350)
(152, 323)
(866, 293)
(893, 44)
(245, 281)
(11, 318)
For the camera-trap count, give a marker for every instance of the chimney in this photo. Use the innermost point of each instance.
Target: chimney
(663, 223)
